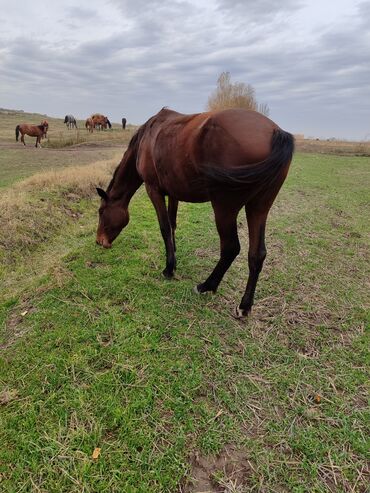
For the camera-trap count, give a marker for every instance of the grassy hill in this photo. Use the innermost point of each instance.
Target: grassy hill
(98, 351)
(58, 134)
(62, 148)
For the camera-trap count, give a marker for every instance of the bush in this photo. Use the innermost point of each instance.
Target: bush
(234, 95)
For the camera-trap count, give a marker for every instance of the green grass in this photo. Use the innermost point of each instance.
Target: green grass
(98, 350)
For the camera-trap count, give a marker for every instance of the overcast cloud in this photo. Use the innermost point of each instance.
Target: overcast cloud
(308, 60)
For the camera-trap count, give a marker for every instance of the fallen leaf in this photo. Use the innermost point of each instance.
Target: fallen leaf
(96, 453)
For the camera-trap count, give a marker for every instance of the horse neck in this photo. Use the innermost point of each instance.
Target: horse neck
(126, 180)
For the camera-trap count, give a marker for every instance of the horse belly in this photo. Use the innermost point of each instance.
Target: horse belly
(179, 176)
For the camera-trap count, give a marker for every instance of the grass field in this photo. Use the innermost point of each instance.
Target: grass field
(62, 148)
(97, 350)
(58, 135)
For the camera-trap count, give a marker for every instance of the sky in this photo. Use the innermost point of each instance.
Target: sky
(309, 61)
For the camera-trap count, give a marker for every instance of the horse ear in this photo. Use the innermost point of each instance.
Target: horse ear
(102, 193)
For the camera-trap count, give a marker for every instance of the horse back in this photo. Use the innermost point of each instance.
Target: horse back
(176, 149)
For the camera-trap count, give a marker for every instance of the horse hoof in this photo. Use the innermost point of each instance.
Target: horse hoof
(197, 289)
(167, 275)
(240, 313)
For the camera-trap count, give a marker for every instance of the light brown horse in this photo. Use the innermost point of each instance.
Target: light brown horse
(233, 158)
(89, 124)
(100, 121)
(38, 131)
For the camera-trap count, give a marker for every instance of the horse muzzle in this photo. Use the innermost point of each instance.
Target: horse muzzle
(103, 241)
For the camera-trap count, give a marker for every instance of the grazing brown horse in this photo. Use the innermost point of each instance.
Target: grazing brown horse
(233, 158)
(38, 131)
(100, 121)
(89, 124)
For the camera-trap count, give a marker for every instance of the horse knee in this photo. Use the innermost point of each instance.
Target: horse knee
(231, 250)
(255, 261)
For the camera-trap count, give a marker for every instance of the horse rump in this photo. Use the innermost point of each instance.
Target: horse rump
(260, 175)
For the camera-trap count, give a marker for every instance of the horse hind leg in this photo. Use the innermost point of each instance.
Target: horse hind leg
(226, 222)
(22, 139)
(172, 214)
(256, 256)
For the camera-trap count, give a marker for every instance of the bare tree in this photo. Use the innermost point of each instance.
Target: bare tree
(234, 95)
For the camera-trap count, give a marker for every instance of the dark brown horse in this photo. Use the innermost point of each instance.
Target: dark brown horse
(233, 158)
(38, 131)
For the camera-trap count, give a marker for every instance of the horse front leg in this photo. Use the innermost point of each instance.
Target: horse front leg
(256, 256)
(229, 246)
(158, 200)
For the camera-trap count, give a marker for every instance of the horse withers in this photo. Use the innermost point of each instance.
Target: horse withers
(38, 131)
(233, 158)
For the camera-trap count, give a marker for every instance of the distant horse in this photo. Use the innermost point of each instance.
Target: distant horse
(70, 121)
(233, 158)
(124, 123)
(100, 121)
(38, 131)
(89, 124)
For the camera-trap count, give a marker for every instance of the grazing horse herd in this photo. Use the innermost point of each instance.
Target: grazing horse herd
(98, 121)
(95, 121)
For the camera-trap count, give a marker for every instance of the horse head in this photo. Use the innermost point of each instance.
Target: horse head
(45, 127)
(113, 217)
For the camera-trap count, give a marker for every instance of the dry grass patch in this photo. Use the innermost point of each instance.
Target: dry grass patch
(32, 210)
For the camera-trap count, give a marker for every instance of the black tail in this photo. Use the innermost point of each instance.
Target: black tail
(109, 123)
(262, 174)
(16, 132)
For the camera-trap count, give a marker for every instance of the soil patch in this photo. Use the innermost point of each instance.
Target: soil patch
(227, 472)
